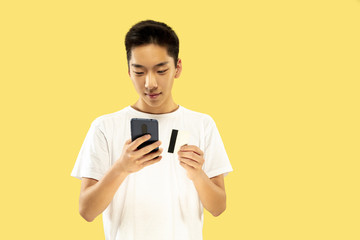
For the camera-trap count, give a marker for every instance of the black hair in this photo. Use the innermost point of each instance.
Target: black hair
(149, 31)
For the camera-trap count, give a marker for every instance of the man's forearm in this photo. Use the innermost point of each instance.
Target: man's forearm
(94, 200)
(212, 197)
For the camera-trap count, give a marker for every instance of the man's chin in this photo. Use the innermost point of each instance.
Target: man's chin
(153, 103)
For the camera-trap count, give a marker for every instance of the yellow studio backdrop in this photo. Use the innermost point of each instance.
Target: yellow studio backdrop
(280, 78)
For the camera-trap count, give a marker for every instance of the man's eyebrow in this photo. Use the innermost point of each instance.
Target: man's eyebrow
(157, 65)
(137, 65)
(161, 64)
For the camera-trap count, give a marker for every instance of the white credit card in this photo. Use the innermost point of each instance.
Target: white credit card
(178, 138)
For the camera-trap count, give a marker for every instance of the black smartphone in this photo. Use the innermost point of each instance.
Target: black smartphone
(142, 126)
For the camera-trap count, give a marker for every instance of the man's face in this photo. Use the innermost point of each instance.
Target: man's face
(152, 72)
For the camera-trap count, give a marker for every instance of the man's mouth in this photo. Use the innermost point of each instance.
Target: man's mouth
(153, 95)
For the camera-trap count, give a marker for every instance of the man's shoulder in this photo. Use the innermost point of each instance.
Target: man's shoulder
(198, 116)
(110, 117)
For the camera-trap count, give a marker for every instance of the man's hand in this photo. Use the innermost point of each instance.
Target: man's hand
(191, 158)
(133, 159)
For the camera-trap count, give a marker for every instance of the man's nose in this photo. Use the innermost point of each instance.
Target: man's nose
(150, 82)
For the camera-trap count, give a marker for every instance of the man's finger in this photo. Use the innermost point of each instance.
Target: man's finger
(137, 142)
(193, 148)
(149, 156)
(149, 148)
(190, 155)
(149, 162)
(189, 162)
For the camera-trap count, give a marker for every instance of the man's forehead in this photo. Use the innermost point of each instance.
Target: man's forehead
(133, 64)
(150, 55)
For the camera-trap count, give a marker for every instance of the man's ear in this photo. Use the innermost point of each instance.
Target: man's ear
(178, 68)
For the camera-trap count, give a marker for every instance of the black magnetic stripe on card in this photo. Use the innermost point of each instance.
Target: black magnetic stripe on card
(172, 141)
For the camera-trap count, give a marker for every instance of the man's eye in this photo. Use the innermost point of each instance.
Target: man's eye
(163, 71)
(138, 73)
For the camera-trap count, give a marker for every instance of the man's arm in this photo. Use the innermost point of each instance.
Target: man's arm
(96, 195)
(211, 192)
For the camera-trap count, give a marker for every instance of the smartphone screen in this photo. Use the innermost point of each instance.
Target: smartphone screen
(143, 126)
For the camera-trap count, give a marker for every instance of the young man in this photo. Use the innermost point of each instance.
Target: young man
(158, 195)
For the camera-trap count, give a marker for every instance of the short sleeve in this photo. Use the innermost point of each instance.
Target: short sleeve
(216, 158)
(93, 158)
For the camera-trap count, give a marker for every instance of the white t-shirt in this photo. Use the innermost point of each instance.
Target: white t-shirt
(159, 202)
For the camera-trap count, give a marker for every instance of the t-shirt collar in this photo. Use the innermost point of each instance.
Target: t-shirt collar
(152, 115)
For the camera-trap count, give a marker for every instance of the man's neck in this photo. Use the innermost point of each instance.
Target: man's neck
(142, 107)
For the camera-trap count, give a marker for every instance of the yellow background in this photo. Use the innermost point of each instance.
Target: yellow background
(280, 78)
